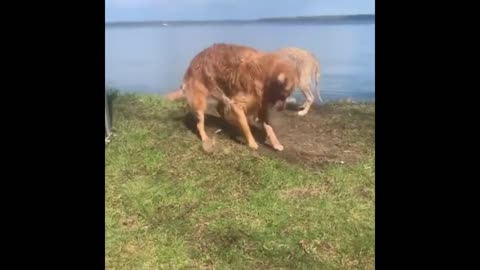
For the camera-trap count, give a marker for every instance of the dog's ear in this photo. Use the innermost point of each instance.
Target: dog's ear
(281, 78)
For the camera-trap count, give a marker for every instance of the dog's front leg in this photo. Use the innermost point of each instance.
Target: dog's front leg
(264, 118)
(243, 123)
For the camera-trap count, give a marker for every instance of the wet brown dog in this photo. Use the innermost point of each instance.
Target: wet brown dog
(244, 81)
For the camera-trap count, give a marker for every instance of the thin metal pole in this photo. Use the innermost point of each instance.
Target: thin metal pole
(107, 120)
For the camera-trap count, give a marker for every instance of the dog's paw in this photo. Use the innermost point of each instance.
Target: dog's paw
(302, 113)
(208, 145)
(253, 145)
(278, 147)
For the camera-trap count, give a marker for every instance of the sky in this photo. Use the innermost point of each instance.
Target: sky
(146, 10)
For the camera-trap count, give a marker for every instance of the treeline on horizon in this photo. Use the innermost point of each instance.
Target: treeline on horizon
(335, 19)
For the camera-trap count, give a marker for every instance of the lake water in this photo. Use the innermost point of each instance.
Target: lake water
(153, 59)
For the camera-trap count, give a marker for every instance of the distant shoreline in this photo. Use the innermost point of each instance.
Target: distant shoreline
(336, 19)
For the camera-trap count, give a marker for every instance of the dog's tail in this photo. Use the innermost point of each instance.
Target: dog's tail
(177, 94)
(317, 80)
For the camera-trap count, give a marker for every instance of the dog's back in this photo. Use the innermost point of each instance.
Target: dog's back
(308, 70)
(306, 63)
(221, 68)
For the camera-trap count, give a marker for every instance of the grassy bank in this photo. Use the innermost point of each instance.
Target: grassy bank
(171, 206)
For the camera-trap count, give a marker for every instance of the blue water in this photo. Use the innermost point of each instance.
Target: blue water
(153, 59)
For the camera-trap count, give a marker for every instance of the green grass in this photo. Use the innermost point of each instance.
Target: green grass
(169, 205)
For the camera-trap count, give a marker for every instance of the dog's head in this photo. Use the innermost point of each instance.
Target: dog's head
(282, 81)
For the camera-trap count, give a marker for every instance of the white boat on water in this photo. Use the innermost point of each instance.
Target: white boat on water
(164, 24)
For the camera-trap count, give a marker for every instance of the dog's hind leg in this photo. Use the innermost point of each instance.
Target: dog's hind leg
(306, 89)
(200, 117)
(196, 94)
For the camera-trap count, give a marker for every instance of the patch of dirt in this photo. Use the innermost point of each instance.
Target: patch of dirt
(327, 134)
(325, 251)
(129, 223)
(303, 192)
